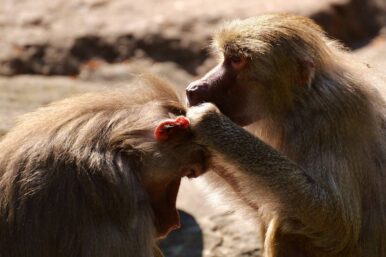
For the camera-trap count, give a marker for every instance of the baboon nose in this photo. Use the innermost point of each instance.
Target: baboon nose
(197, 92)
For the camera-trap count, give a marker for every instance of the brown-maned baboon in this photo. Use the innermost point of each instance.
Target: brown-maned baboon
(86, 177)
(313, 168)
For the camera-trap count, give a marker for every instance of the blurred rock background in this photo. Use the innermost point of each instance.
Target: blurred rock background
(51, 49)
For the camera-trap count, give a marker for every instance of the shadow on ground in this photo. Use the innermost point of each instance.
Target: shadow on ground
(186, 241)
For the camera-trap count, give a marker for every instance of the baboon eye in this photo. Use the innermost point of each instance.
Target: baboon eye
(238, 62)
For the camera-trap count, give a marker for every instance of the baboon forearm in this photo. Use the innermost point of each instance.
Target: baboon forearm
(305, 206)
(260, 164)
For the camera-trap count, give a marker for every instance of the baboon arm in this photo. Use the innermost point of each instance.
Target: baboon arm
(257, 160)
(253, 166)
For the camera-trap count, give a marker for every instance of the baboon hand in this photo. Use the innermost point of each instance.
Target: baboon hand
(196, 114)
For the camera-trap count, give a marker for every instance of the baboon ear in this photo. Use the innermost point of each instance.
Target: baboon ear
(306, 72)
(166, 129)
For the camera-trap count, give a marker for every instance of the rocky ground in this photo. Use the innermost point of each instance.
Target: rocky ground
(54, 49)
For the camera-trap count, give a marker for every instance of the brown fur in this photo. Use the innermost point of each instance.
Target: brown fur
(314, 172)
(75, 176)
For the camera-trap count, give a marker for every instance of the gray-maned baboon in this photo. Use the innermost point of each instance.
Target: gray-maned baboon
(313, 168)
(87, 177)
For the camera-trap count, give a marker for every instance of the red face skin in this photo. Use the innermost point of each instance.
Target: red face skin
(163, 201)
(163, 191)
(222, 86)
(163, 197)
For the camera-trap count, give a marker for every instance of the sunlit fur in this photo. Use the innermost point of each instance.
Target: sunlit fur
(333, 128)
(69, 175)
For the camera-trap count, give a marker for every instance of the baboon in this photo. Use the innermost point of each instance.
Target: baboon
(88, 176)
(311, 163)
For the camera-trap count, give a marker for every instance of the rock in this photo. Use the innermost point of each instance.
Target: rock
(21, 94)
(374, 54)
(218, 229)
(100, 71)
(57, 37)
(25, 93)
(353, 22)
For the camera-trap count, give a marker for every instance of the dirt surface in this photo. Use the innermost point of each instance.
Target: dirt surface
(94, 44)
(58, 37)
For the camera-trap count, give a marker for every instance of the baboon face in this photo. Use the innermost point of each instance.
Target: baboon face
(262, 66)
(230, 86)
(172, 159)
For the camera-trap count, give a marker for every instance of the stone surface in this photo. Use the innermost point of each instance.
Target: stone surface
(25, 93)
(57, 37)
(218, 229)
(374, 53)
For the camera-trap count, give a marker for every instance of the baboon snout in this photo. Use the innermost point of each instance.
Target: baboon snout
(197, 92)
